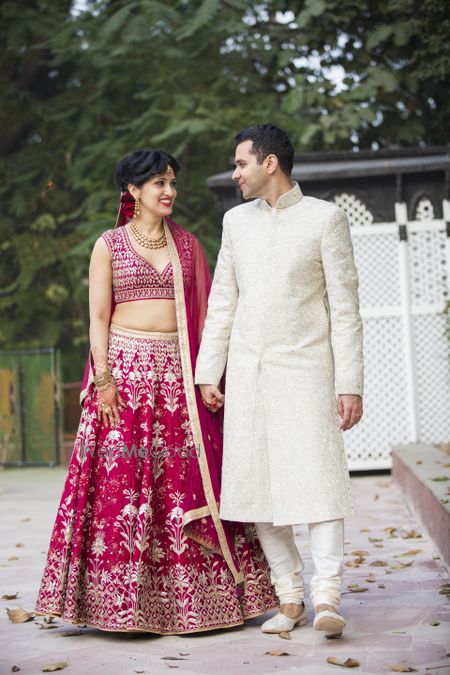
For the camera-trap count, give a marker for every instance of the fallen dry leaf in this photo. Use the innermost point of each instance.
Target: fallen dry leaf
(435, 623)
(371, 578)
(20, 545)
(440, 478)
(400, 668)
(358, 589)
(172, 658)
(378, 563)
(277, 652)
(349, 663)
(448, 490)
(354, 563)
(285, 635)
(184, 653)
(70, 633)
(411, 534)
(374, 539)
(419, 461)
(360, 554)
(444, 501)
(446, 466)
(46, 626)
(47, 622)
(15, 669)
(335, 636)
(445, 589)
(376, 497)
(379, 545)
(13, 557)
(26, 520)
(407, 554)
(365, 529)
(10, 596)
(19, 615)
(51, 667)
(381, 586)
(390, 531)
(401, 565)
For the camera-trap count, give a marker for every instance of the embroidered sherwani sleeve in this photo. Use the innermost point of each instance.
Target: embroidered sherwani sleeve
(341, 281)
(222, 302)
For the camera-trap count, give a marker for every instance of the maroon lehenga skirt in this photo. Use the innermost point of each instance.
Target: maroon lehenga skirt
(119, 558)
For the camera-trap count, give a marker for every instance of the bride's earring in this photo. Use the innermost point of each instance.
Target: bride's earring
(137, 207)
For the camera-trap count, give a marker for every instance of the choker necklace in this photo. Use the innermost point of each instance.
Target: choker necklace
(146, 241)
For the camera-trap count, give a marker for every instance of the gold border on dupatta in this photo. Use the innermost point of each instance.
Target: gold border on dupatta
(188, 380)
(90, 380)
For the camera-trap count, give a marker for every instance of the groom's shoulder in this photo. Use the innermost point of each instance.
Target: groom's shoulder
(245, 210)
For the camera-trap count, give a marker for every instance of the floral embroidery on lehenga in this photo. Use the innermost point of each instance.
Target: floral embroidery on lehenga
(119, 558)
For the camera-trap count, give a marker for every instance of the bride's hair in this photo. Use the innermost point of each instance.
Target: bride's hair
(139, 166)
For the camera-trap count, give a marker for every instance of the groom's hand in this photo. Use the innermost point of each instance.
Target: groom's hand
(212, 396)
(350, 410)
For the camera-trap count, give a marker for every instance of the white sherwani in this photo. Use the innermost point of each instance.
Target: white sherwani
(283, 315)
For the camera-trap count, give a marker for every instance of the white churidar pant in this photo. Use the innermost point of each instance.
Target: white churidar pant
(286, 564)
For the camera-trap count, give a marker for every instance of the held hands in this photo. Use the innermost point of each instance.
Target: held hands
(110, 403)
(213, 398)
(350, 410)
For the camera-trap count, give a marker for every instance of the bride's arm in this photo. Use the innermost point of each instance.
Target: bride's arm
(100, 292)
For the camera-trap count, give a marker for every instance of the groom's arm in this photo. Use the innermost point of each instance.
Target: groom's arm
(341, 281)
(222, 302)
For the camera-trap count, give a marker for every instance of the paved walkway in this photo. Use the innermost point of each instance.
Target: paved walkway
(401, 619)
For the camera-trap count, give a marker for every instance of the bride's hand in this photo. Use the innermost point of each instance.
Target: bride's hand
(213, 398)
(110, 403)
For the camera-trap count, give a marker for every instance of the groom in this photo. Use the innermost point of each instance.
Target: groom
(283, 318)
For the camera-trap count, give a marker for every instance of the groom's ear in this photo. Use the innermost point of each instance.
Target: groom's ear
(271, 164)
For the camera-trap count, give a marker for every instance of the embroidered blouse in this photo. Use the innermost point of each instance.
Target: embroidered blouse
(134, 277)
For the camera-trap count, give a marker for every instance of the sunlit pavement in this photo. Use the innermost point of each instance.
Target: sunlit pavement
(401, 619)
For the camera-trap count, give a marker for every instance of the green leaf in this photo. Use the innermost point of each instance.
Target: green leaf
(403, 33)
(45, 223)
(117, 20)
(377, 36)
(293, 101)
(204, 16)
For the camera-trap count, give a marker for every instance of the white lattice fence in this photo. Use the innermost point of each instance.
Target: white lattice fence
(403, 294)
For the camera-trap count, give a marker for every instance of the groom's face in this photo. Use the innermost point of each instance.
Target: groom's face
(250, 175)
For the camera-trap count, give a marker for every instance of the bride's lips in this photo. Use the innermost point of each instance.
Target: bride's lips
(166, 202)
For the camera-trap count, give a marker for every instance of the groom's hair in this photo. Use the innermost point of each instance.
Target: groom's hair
(269, 140)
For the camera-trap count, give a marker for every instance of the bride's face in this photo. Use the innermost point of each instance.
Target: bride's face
(158, 194)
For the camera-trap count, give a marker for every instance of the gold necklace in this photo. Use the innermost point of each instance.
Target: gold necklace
(144, 240)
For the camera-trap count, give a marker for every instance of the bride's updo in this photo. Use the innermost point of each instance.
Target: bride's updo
(139, 166)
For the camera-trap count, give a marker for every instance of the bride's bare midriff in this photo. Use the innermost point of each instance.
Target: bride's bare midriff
(151, 315)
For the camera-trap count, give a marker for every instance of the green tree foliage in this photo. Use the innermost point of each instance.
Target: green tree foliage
(85, 83)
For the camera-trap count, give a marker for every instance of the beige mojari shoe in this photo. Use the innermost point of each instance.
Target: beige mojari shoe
(331, 623)
(281, 623)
